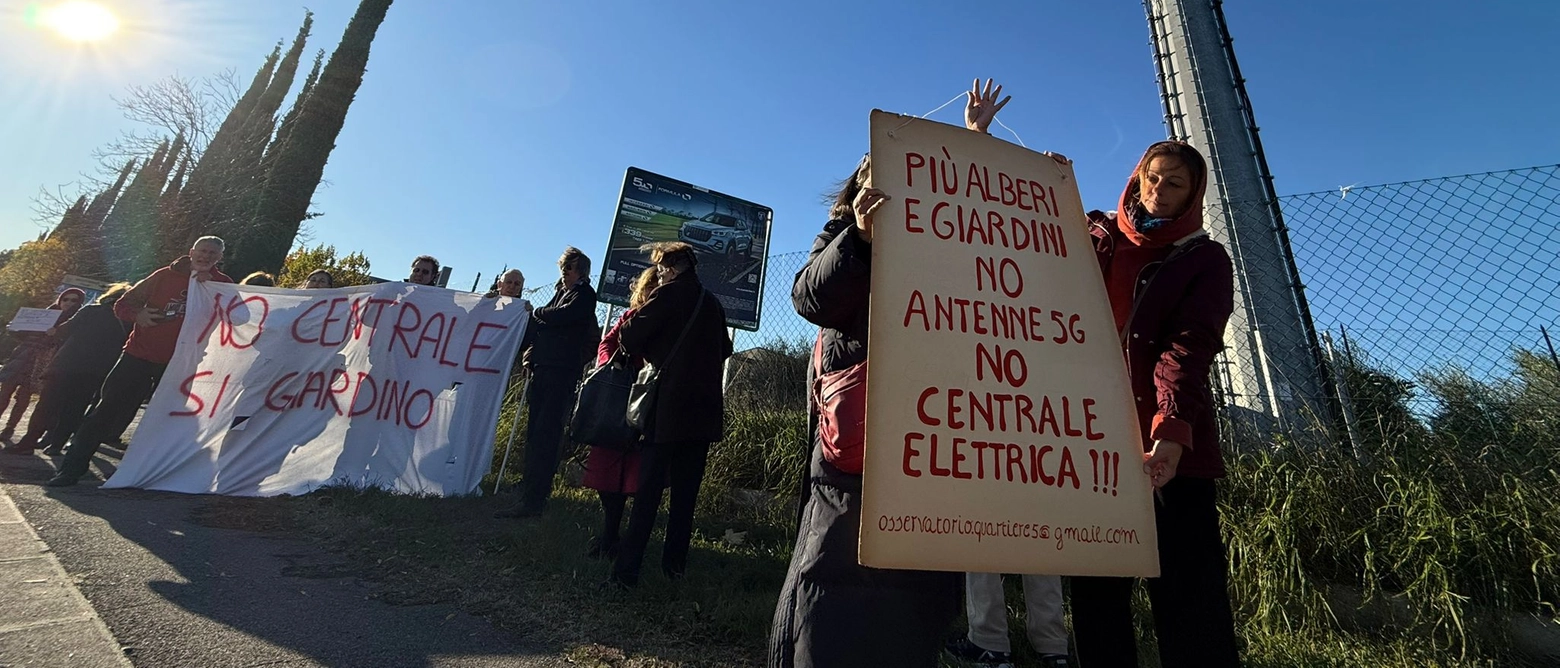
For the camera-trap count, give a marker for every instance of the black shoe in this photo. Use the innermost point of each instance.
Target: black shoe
(61, 481)
(518, 513)
(965, 650)
(6, 435)
(54, 451)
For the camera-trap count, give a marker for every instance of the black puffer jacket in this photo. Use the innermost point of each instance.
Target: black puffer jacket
(833, 611)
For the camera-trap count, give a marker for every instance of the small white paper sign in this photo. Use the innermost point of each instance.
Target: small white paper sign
(34, 319)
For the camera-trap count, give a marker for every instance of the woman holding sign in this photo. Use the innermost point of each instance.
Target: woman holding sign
(16, 377)
(833, 611)
(1171, 290)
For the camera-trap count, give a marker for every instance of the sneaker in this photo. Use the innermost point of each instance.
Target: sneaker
(1055, 661)
(964, 650)
(60, 481)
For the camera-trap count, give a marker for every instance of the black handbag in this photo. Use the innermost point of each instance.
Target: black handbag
(599, 413)
(641, 398)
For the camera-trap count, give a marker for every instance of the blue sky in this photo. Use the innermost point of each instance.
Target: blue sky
(493, 133)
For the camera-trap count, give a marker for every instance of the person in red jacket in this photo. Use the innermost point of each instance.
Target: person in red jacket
(156, 306)
(1171, 291)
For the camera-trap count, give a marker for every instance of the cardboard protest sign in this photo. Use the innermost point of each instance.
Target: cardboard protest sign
(729, 235)
(275, 391)
(1001, 434)
(34, 319)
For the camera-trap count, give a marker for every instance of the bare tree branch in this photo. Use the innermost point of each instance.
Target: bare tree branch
(162, 109)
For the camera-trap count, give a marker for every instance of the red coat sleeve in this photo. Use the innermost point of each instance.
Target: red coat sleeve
(1195, 336)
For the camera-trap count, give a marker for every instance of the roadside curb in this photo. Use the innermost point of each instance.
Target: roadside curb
(44, 618)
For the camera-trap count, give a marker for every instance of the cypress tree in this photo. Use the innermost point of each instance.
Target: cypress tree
(103, 202)
(72, 226)
(130, 231)
(300, 163)
(290, 121)
(203, 201)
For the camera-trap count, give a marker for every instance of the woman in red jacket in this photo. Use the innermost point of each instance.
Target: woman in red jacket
(1171, 290)
(612, 472)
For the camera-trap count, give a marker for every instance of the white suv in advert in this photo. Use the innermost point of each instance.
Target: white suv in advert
(720, 233)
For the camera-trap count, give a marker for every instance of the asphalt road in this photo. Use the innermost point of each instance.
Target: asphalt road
(178, 593)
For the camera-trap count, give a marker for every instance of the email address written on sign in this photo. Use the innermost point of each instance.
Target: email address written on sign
(982, 529)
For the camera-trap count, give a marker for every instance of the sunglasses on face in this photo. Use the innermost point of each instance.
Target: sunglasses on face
(421, 271)
(513, 283)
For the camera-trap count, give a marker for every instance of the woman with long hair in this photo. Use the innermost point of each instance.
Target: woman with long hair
(613, 472)
(833, 611)
(16, 377)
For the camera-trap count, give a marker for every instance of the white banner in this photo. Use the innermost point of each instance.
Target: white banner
(275, 391)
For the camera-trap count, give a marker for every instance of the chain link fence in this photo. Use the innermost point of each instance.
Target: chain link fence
(1421, 304)
(1404, 306)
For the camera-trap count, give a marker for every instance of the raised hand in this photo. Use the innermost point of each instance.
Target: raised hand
(981, 107)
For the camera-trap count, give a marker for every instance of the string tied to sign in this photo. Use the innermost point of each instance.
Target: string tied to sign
(951, 100)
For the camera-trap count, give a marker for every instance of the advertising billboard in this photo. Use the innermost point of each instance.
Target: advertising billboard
(729, 235)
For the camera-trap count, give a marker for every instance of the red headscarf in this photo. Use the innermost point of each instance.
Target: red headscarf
(1133, 220)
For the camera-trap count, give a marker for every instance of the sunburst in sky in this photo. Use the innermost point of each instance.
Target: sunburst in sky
(77, 20)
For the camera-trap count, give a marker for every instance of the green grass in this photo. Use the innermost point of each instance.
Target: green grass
(533, 578)
(1413, 551)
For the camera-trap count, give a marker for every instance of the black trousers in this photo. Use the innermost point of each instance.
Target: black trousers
(551, 399)
(1191, 602)
(128, 384)
(681, 465)
(64, 401)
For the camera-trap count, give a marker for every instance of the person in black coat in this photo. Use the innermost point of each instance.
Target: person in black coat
(689, 409)
(833, 611)
(560, 339)
(89, 344)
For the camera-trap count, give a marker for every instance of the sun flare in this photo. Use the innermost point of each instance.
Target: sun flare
(80, 21)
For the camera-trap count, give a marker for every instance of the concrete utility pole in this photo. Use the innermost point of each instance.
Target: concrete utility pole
(1271, 373)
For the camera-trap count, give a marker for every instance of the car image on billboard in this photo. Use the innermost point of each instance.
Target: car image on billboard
(729, 235)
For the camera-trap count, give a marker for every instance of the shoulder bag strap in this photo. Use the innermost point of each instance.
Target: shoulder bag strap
(697, 307)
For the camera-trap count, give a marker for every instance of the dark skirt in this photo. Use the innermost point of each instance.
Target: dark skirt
(835, 612)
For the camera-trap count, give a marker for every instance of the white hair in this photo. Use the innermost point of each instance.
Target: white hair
(211, 240)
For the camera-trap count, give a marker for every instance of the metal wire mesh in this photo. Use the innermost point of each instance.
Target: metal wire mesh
(1428, 299)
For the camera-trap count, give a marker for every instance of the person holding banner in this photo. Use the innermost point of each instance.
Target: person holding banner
(259, 278)
(680, 331)
(1172, 291)
(425, 271)
(32, 355)
(156, 306)
(557, 339)
(88, 345)
(510, 284)
(319, 279)
(614, 472)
